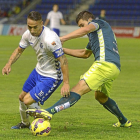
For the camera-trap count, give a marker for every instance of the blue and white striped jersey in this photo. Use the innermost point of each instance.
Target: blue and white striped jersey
(47, 47)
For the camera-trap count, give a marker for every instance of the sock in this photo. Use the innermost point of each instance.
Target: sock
(23, 115)
(64, 102)
(33, 106)
(22, 110)
(111, 106)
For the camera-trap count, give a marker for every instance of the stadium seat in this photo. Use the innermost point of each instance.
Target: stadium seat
(117, 9)
(64, 6)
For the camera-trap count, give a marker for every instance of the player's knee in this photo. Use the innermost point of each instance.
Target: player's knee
(22, 95)
(26, 102)
(20, 98)
(100, 97)
(81, 88)
(96, 95)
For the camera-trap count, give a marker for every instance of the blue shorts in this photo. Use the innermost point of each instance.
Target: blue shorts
(40, 87)
(57, 31)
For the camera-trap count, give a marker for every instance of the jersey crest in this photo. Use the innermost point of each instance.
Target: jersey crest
(53, 43)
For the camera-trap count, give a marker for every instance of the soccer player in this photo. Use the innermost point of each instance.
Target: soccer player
(102, 15)
(55, 17)
(51, 68)
(100, 76)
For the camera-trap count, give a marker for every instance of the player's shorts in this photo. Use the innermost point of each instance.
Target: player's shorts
(40, 87)
(57, 31)
(100, 76)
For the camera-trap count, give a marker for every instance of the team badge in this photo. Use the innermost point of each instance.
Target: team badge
(53, 43)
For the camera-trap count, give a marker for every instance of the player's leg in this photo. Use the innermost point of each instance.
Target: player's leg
(24, 119)
(28, 100)
(42, 91)
(22, 109)
(112, 107)
(29, 84)
(64, 103)
(102, 95)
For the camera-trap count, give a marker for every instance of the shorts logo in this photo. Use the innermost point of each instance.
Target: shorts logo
(41, 93)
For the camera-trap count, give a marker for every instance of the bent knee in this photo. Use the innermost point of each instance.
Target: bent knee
(100, 97)
(21, 98)
(97, 97)
(81, 88)
(26, 102)
(22, 95)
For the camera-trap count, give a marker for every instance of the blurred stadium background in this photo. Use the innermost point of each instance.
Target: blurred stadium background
(122, 15)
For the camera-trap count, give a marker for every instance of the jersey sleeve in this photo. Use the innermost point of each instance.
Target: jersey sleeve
(49, 15)
(55, 46)
(61, 15)
(24, 43)
(96, 25)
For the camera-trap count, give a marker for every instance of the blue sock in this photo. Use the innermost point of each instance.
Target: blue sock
(64, 102)
(111, 106)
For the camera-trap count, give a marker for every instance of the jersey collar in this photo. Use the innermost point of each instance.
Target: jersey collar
(41, 31)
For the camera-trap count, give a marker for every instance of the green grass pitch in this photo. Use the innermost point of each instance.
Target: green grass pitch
(87, 119)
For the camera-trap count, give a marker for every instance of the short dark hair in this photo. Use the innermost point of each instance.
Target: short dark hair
(33, 15)
(85, 15)
(55, 4)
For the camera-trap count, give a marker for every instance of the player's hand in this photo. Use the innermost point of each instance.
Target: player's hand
(65, 90)
(62, 40)
(7, 69)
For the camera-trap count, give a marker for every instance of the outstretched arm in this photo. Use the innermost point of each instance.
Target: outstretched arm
(78, 33)
(65, 90)
(46, 22)
(80, 53)
(13, 58)
(63, 21)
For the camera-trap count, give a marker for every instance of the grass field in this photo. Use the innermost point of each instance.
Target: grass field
(87, 119)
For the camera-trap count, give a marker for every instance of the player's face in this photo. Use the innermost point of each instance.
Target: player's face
(35, 27)
(55, 8)
(82, 23)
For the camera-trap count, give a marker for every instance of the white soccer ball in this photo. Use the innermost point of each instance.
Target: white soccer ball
(40, 127)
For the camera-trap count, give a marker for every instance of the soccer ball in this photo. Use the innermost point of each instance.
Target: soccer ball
(40, 127)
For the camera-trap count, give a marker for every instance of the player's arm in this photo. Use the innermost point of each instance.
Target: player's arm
(46, 22)
(78, 33)
(65, 90)
(63, 21)
(13, 58)
(80, 53)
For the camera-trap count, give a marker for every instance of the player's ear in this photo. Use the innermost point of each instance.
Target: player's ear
(41, 22)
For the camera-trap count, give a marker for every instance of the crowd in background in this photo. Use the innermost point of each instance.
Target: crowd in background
(10, 10)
